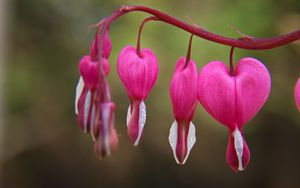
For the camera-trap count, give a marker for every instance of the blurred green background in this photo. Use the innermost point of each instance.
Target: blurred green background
(43, 147)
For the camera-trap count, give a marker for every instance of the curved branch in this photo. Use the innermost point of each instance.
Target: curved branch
(250, 43)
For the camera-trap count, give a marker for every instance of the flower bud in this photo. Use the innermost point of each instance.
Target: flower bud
(106, 46)
(106, 139)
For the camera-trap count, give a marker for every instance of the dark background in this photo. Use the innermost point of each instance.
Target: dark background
(43, 147)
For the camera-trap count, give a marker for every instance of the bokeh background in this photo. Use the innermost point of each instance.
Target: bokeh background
(41, 145)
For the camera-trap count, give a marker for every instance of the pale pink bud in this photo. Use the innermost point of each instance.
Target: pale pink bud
(183, 92)
(138, 74)
(234, 100)
(297, 94)
(106, 140)
(106, 47)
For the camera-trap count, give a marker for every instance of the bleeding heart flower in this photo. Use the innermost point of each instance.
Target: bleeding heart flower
(183, 92)
(88, 66)
(86, 90)
(138, 74)
(234, 100)
(297, 94)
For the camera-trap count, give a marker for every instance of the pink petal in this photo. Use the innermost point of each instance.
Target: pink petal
(183, 90)
(90, 71)
(234, 100)
(297, 94)
(253, 88)
(138, 74)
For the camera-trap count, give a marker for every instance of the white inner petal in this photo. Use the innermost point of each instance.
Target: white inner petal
(142, 121)
(106, 114)
(87, 104)
(239, 147)
(173, 139)
(79, 89)
(128, 115)
(93, 122)
(191, 140)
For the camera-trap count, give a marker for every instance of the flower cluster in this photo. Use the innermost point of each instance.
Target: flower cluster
(231, 96)
(95, 111)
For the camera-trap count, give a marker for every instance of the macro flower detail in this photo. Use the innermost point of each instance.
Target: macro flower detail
(232, 97)
(297, 94)
(183, 93)
(93, 106)
(233, 100)
(138, 73)
(89, 79)
(86, 90)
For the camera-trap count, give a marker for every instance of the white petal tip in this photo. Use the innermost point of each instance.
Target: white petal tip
(128, 115)
(79, 89)
(173, 138)
(141, 121)
(239, 147)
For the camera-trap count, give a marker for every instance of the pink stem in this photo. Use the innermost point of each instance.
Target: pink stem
(244, 42)
(138, 46)
(232, 73)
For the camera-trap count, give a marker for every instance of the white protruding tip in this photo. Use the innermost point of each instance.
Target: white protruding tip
(239, 147)
(142, 121)
(87, 104)
(191, 139)
(173, 139)
(173, 136)
(128, 115)
(79, 89)
(106, 114)
(93, 122)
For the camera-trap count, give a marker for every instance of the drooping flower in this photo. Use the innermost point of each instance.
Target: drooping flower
(89, 79)
(297, 94)
(138, 74)
(234, 100)
(183, 92)
(86, 90)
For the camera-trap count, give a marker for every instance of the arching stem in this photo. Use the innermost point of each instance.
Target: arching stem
(138, 45)
(232, 72)
(249, 42)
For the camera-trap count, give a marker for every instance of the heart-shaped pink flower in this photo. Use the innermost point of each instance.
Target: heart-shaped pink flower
(138, 74)
(183, 92)
(297, 94)
(234, 100)
(86, 89)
